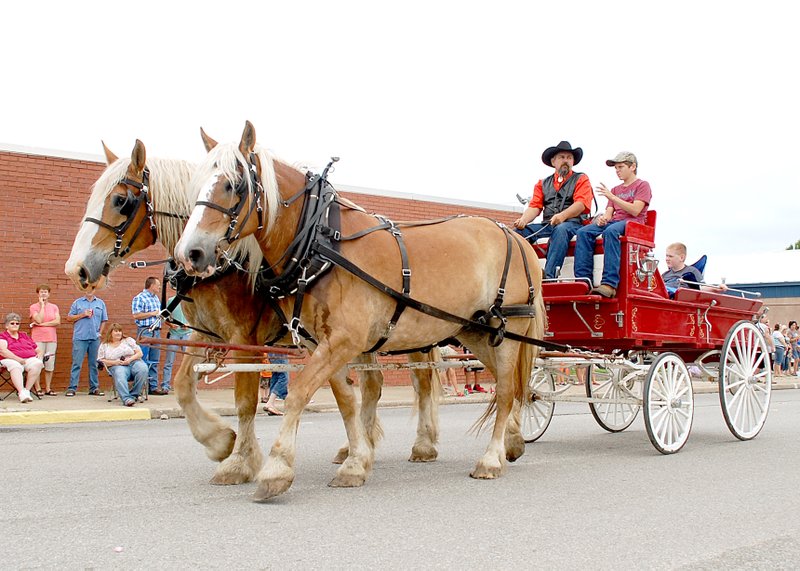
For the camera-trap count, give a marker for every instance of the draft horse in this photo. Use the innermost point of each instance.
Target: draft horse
(138, 201)
(340, 275)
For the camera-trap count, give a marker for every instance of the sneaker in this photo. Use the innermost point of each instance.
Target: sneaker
(605, 290)
(130, 402)
(158, 392)
(479, 389)
(69, 393)
(25, 396)
(97, 393)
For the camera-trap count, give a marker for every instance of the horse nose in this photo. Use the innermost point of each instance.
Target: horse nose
(197, 258)
(83, 276)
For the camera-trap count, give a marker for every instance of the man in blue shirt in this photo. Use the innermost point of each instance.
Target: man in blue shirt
(89, 315)
(146, 308)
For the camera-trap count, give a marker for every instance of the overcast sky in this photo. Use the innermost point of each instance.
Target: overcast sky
(452, 99)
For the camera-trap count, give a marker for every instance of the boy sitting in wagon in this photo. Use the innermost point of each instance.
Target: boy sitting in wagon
(678, 270)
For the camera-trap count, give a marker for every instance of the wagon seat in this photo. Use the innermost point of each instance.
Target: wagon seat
(568, 269)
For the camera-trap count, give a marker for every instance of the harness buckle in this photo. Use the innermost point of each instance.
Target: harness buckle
(406, 272)
(337, 235)
(138, 264)
(293, 326)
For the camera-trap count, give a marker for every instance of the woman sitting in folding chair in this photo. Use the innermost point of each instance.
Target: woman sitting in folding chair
(19, 354)
(123, 358)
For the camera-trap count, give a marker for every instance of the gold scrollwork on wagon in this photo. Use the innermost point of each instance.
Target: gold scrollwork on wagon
(598, 321)
(634, 325)
(692, 324)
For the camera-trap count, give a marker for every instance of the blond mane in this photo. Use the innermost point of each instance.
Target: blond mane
(170, 193)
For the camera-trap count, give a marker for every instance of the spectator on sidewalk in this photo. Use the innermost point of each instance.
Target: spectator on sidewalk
(794, 337)
(89, 316)
(278, 384)
(123, 359)
(450, 383)
(175, 332)
(146, 309)
(779, 342)
(18, 354)
(474, 386)
(45, 317)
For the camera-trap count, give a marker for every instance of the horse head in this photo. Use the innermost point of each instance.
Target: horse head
(237, 196)
(118, 220)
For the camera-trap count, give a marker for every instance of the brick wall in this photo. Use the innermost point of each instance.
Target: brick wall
(43, 199)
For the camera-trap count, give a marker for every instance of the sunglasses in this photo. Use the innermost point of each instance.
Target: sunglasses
(13, 322)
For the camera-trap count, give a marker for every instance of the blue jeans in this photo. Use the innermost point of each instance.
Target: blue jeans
(170, 359)
(121, 375)
(150, 355)
(584, 251)
(559, 235)
(81, 348)
(279, 382)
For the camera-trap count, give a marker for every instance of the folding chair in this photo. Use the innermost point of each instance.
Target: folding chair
(113, 391)
(5, 384)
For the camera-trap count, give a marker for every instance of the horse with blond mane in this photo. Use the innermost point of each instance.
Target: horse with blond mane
(137, 201)
(340, 275)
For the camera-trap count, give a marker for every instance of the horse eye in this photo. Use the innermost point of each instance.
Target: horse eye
(118, 201)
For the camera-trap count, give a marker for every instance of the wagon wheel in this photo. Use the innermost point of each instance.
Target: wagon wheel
(536, 414)
(610, 384)
(745, 380)
(668, 403)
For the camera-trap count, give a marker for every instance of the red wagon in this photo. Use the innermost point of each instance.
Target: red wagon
(634, 351)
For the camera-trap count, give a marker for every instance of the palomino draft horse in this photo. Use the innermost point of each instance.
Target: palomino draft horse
(457, 267)
(136, 202)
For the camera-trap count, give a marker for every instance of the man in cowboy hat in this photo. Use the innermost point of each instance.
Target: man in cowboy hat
(565, 198)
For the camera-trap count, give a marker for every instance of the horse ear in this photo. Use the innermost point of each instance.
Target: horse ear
(207, 141)
(248, 139)
(110, 157)
(138, 159)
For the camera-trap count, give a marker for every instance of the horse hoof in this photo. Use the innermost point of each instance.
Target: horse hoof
(482, 472)
(268, 489)
(341, 455)
(423, 454)
(220, 446)
(515, 450)
(347, 481)
(236, 470)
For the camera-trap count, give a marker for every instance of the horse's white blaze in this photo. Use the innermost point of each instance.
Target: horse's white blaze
(82, 245)
(193, 223)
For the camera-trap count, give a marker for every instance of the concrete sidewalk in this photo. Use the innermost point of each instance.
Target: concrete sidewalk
(85, 408)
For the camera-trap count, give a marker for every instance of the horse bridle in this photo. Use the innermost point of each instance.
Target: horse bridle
(250, 180)
(143, 198)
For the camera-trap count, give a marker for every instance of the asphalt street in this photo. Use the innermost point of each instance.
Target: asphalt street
(128, 495)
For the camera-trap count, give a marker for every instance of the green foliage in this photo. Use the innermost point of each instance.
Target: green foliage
(795, 246)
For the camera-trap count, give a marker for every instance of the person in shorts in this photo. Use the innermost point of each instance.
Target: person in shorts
(45, 317)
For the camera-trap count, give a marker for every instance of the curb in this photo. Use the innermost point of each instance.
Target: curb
(63, 416)
(21, 417)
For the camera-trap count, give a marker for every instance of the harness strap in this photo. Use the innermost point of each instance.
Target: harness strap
(400, 306)
(347, 265)
(531, 291)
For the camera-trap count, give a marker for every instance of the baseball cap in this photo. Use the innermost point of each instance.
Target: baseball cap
(622, 157)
